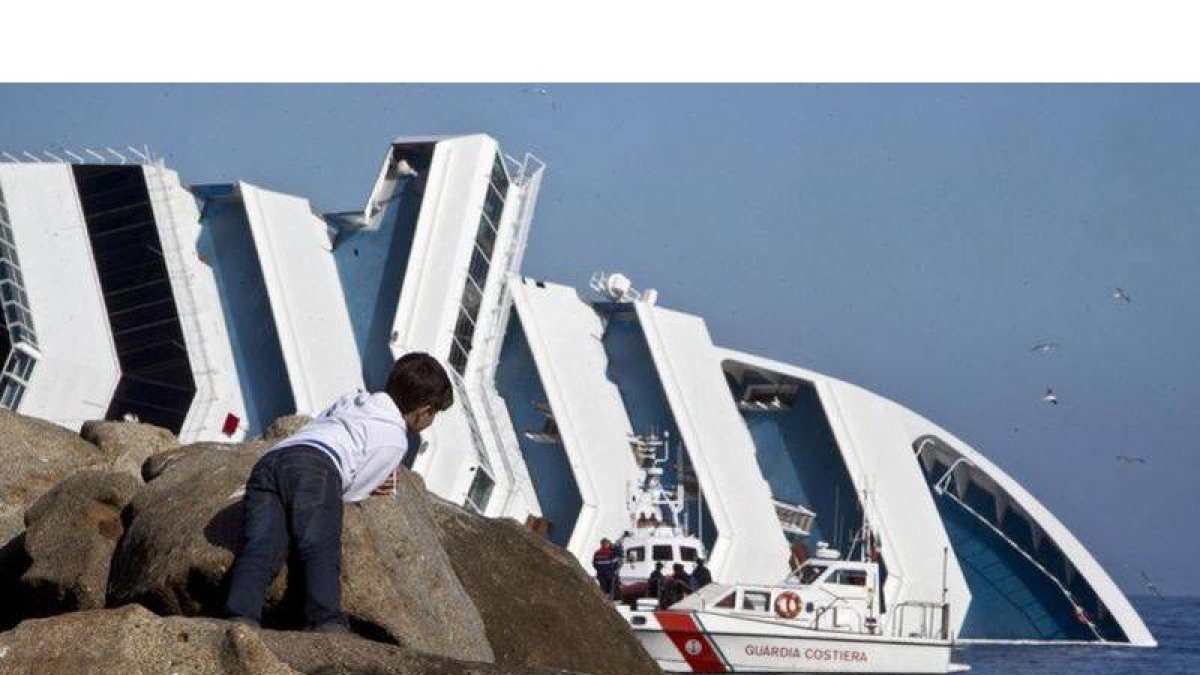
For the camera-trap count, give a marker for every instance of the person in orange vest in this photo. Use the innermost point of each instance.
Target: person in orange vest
(606, 562)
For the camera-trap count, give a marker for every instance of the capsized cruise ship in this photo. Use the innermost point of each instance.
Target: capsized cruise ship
(211, 309)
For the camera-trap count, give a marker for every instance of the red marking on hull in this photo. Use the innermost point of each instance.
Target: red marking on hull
(692, 643)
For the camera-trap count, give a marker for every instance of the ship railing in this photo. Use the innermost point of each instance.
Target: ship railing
(131, 155)
(920, 619)
(944, 488)
(525, 174)
(793, 518)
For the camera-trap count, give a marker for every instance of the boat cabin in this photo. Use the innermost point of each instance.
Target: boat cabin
(823, 593)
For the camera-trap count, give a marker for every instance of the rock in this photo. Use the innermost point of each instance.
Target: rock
(71, 533)
(35, 455)
(132, 641)
(285, 426)
(330, 654)
(397, 581)
(397, 576)
(182, 529)
(13, 563)
(126, 445)
(539, 606)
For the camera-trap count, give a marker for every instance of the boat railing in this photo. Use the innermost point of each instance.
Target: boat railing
(919, 619)
(839, 615)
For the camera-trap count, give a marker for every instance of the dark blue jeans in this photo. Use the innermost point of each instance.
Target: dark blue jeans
(293, 502)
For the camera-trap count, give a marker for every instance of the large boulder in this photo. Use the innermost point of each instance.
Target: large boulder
(126, 445)
(396, 575)
(539, 606)
(13, 563)
(35, 455)
(71, 532)
(182, 529)
(397, 583)
(132, 641)
(285, 426)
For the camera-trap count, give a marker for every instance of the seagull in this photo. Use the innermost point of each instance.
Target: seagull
(406, 170)
(1150, 584)
(1050, 397)
(1121, 294)
(1130, 459)
(1044, 347)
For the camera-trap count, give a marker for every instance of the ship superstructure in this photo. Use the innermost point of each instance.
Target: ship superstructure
(212, 309)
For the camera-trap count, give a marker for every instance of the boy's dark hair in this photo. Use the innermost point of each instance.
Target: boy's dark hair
(417, 379)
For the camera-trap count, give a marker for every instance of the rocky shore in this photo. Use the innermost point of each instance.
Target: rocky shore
(115, 544)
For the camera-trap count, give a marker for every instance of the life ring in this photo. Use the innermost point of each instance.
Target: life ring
(787, 605)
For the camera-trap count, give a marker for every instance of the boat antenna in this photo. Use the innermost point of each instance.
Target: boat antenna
(837, 517)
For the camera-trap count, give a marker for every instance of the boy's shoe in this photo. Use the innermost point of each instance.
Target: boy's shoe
(334, 627)
(245, 620)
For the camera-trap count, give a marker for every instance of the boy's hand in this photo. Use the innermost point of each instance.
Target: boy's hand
(387, 487)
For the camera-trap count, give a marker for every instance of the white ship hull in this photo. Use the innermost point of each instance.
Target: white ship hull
(703, 642)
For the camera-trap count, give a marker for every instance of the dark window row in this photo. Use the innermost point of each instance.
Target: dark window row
(156, 383)
(18, 340)
(477, 271)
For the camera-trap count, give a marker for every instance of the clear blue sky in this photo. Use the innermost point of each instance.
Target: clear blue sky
(916, 240)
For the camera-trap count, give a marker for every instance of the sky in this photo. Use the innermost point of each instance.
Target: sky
(914, 240)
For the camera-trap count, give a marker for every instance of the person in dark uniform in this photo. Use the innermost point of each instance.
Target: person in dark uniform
(701, 577)
(675, 588)
(654, 584)
(606, 563)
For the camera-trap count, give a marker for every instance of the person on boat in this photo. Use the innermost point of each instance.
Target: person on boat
(675, 588)
(606, 563)
(654, 584)
(294, 495)
(701, 577)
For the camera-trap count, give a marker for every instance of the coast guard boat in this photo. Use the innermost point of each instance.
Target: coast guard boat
(659, 529)
(828, 616)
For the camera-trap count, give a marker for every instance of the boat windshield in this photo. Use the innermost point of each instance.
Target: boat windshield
(810, 573)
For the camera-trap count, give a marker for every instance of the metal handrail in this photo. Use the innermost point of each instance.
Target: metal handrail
(487, 346)
(929, 617)
(1030, 559)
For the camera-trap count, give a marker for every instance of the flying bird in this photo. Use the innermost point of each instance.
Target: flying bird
(1121, 294)
(1150, 585)
(1050, 397)
(1130, 459)
(1044, 347)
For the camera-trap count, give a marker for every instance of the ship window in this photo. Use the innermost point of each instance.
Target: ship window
(727, 601)
(687, 553)
(493, 204)
(810, 573)
(849, 578)
(499, 175)
(480, 492)
(755, 601)
(636, 554)
(663, 553)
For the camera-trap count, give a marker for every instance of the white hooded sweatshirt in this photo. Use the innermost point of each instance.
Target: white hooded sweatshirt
(363, 434)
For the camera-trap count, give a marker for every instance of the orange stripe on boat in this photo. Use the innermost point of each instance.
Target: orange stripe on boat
(692, 643)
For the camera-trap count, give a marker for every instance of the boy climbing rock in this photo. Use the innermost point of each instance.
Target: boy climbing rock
(295, 492)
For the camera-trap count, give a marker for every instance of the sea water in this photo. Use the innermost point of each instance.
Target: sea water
(1175, 623)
